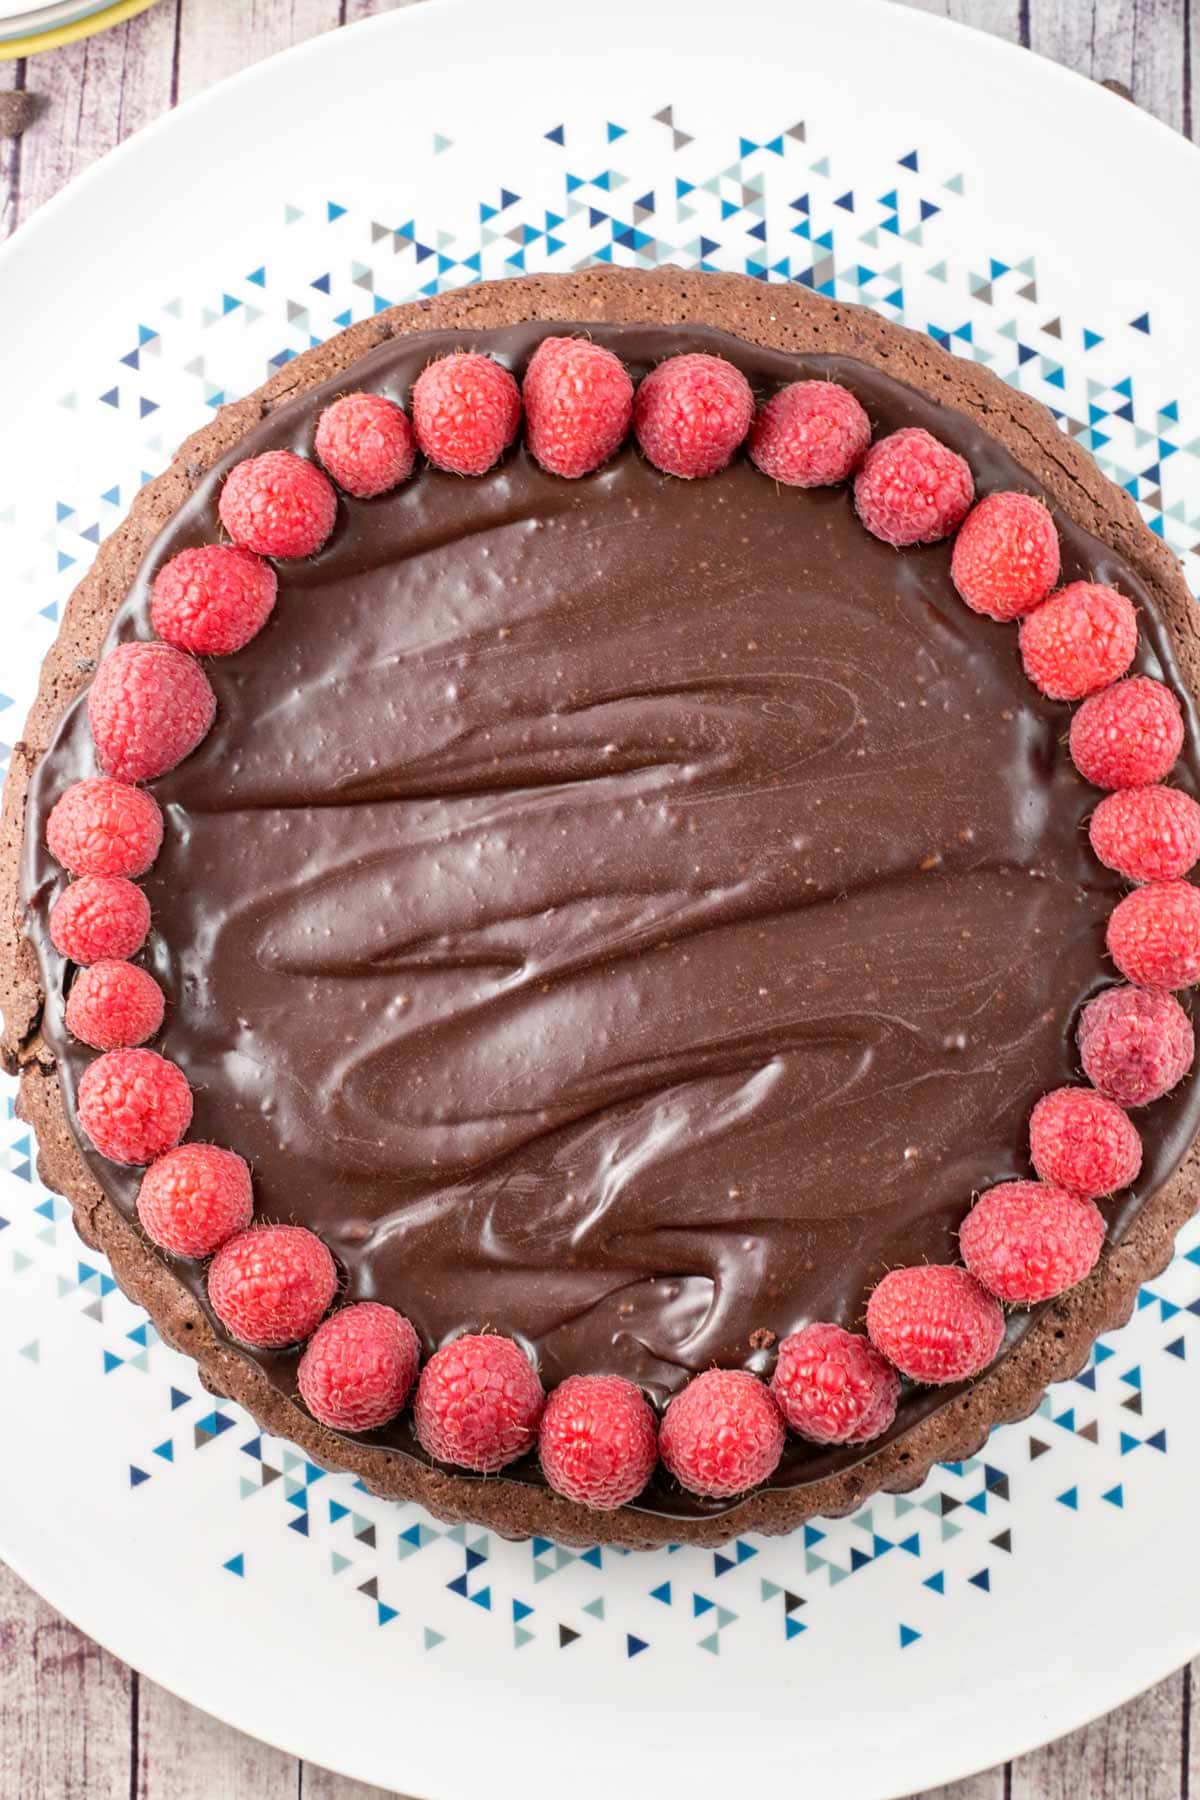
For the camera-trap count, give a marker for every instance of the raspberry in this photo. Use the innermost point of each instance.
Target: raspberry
(98, 917)
(1135, 1044)
(271, 1285)
(1080, 640)
(598, 1441)
(691, 413)
(1026, 1242)
(1006, 556)
(359, 1366)
(212, 600)
(104, 827)
(278, 504)
(723, 1434)
(578, 403)
(911, 489)
(1083, 1142)
(114, 1005)
(134, 1105)
(810, 434)
(478, 1403)
(194, 1198)
(366, 443)
(935, 1323)
(149, 706)
(1129, 735)
(1154, 935)
(1147, 834)
(466, 410)
(833, 1387)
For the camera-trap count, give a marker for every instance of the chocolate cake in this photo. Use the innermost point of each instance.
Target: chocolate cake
(629, 915)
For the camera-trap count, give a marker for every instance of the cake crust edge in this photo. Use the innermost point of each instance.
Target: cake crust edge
(779, 317)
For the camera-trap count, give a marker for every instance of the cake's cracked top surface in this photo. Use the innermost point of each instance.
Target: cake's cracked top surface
(629, 914)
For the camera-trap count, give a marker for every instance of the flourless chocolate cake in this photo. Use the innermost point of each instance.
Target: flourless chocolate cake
(625, 908)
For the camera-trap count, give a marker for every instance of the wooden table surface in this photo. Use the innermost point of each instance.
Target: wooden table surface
(75, 1724)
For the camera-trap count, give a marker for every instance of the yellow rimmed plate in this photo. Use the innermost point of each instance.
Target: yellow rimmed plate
(54, 36)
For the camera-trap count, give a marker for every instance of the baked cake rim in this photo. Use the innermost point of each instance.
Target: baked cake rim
(778, 317)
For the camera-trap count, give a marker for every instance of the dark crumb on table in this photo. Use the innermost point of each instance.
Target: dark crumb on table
(17, 110)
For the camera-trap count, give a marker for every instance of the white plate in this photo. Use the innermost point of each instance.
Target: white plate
(1037, 223)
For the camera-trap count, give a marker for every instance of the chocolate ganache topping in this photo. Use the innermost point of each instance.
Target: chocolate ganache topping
(630, 914)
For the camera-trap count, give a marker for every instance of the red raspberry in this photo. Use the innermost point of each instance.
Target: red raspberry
(194, 1198)
(478, 1403)
(1080, 640)
(1135, 1044)
(911, 489)
(212, 600)
(1129, 735)
(359, 1366)
(149, 706)
(691, 413)
(935, 1323)
(810, 434)
(1147, 834)
(466, 410)
(271, 1285)
(723, 1434)
(367, 444)
(1006, 556)
(598, 1441)
(1154, 935)
(98, 917)
(578, 403)
(134, 1105)
(833, 1387)
(1083, 1142)
(1026, 1242)
(114, 1005)
(278, 504)
(104, 827)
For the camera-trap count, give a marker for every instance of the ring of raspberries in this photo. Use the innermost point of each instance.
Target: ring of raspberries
(478, 1402)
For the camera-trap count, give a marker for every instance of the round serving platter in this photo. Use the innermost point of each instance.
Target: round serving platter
(869, 152)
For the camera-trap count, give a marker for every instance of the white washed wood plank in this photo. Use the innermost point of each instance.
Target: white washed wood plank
(11, 76)
(1133, 1754)
(1002, 18)
(94, 94)
(1137, 42)
(319, 1784)
(366, 9)
(64, 1706)
(988, 1786)
(1159, 75)
(183, 1754)
(1094, 37)
(219, 37)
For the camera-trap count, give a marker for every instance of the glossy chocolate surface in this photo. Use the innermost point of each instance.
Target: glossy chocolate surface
(629, 913)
